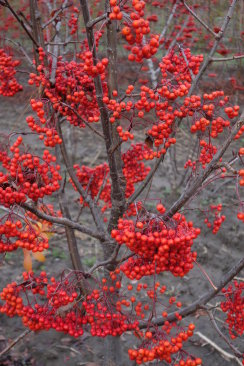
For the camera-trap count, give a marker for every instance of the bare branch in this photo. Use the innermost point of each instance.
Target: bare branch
(169, 20)
(117, 195)
(223, 59)
(199, 19)
(146, 181)
(64, 6)
(70, 235)
(225, 354)
(17, 44)
(92, 22)
(20, 21)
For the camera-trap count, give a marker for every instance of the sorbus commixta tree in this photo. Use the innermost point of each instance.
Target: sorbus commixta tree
(114, 70)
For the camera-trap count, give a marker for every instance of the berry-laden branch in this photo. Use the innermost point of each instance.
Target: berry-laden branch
(117, 195)
(198, 181)
(202, 300)
(63, 221)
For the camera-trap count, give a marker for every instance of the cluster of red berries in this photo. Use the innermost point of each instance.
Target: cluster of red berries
(115, 13)
(92, 179)
(73, 94)
(26, 175)
(241, 175)
(158, 345)
(62, 308)
(134, 32)
(215, 210)
(46, 131)
(14, 235)
(159, 246)
(134, 171)
(73, 20)
(180, 68)
(206, 154)
(234, 307)
(8, 84)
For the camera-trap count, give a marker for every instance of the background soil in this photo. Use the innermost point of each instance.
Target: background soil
(216, 254)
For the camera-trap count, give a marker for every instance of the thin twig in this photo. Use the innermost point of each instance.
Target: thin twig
(64, 6)
(225, 354)
(169, 20)
(21, 336)
(237, 353)
(199, 19)
(92, 22)
(223, 59)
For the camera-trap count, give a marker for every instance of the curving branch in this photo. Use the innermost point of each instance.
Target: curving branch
(63, 221)
(201, 301)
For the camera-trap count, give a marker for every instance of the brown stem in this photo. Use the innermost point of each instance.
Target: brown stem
(71, 239)
(117, 194)
(223, 59)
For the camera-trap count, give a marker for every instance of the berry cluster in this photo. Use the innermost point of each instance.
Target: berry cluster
(13, 235)
(158, 345)
(73, 21)
(115, 11)
(180, 67)
(46, 131)
(234, 307)
(8, 84)
(73, 95)
(92, 179)
(215, 210)
(62, 305)
(134, 171)
(26, 175)
(134, 32)
(159, 246)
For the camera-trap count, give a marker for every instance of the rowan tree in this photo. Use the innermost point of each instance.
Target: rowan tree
(130, 74)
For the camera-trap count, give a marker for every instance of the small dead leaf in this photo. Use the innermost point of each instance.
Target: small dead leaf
(27, 263)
